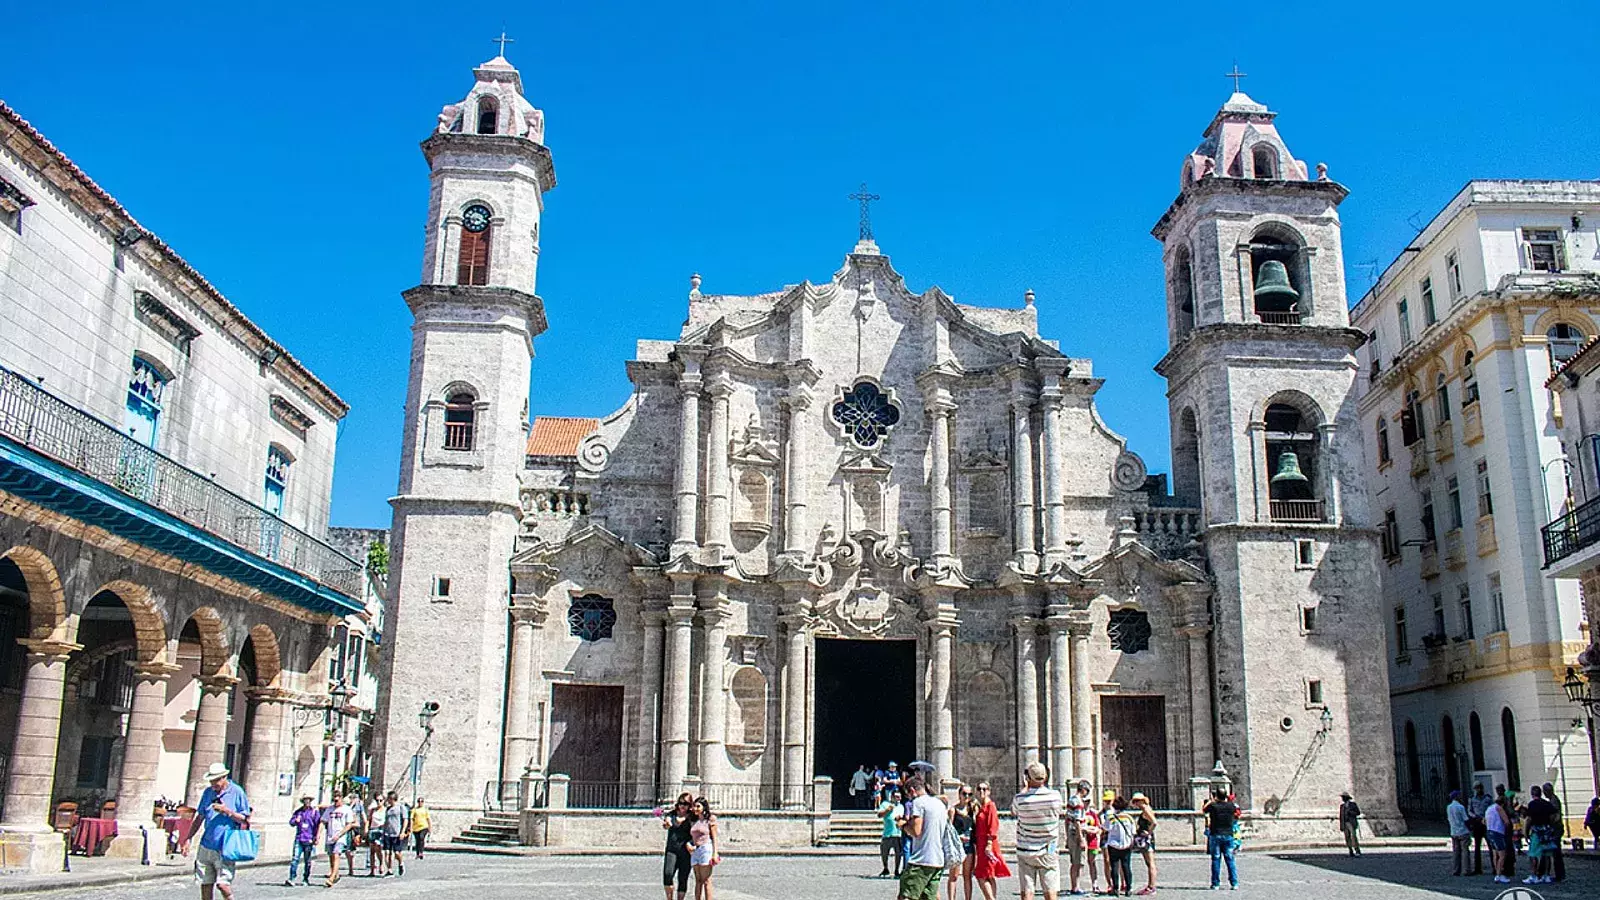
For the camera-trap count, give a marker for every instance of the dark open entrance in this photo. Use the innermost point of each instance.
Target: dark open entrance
(866, 708)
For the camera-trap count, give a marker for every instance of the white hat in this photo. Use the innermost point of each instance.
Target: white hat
(217, 770)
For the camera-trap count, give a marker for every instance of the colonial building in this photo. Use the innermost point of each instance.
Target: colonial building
(166, 601)
(852, 521)
(1466, 465)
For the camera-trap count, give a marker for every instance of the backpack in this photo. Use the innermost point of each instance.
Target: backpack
(1119, 832)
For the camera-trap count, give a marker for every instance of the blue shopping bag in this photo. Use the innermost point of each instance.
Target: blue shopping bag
(240, 845)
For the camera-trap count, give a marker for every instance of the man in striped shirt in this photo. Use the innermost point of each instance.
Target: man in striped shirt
(1038, 812)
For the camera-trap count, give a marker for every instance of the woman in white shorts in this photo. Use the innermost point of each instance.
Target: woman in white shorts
(703, 848)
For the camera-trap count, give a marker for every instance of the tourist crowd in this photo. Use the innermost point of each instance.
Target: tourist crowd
(1511, 827)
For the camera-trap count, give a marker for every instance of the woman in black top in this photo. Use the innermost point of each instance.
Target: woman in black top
(962, 817)
(675, 861)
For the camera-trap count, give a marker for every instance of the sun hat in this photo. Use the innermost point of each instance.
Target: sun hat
(217, 770)
(1108, 795)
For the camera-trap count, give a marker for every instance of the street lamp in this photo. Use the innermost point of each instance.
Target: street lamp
(1578, 692)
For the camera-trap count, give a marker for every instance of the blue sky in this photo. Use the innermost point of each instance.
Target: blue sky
(1015, 147)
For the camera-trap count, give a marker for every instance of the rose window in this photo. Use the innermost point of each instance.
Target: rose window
(866, 413)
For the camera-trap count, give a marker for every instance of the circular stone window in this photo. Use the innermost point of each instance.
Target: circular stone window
(1286, 723)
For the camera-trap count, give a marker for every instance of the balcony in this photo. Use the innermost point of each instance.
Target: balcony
(1430, 559)
(1471, 424)
(59, 457)
(1419, 459)
(1578, 530)
(1444, 439)
(1486, 540)
(1295, 510)
(1454, 555)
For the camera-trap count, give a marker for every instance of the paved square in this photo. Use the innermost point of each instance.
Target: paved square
(1295, 876)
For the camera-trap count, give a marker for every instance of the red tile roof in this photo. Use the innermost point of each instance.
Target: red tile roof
(559, 435)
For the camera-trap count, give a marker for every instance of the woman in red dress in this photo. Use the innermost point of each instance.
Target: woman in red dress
(990, 862)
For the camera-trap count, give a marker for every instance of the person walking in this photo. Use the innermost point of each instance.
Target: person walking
(1120, 829)
(1093, 835)
(1558, 860)
(989, 865)
(396, 828)
(1350, 823)
(1037, 809)
(1455, 813)
(223, 807)
(860, 787)
(963, 818)
(1541, 830)
(421, 822)
(703, 853)
(1222, 820)
(675, 864)
(1497, 828)
(340, 825)
(1477, 808)
(923, 822)
(889, 844)
(1144, 840)
(304, 821)
(373, 830)
(1074, 841)
(1591, 820)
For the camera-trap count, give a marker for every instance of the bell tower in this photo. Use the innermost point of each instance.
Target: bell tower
(1261, 374)
(475, 315)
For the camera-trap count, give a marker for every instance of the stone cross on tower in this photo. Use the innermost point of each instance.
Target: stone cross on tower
(866, 210)
(502, 40)
(1235, 75)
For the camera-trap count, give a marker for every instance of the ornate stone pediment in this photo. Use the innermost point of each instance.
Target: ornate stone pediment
(860, 577)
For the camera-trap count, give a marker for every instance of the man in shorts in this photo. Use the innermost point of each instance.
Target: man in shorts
(223, 807)
(1038, 813)
(340, 825)
(396, 826)
(923, 823)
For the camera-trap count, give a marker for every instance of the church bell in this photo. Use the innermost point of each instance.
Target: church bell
(1272, 286)
(1289, 473)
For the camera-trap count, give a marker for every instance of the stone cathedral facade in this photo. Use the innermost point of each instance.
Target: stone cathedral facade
(850, 521)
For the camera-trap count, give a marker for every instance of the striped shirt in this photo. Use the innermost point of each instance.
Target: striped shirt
(1038, 812)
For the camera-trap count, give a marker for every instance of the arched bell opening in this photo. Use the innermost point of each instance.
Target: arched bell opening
(1294, 461)
(1186, 459)
(1181, 278)
(1280, 280)
(488, 115)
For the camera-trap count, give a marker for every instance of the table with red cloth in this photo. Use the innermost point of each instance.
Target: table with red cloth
(169, 824)
(88, 835)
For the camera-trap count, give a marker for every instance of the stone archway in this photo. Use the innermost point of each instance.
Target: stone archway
(47, 602)
(150, 631)
(212, 635)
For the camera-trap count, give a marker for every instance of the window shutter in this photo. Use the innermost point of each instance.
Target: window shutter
(1408, 427)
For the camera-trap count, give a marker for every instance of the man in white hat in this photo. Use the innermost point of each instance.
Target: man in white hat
(222, 808)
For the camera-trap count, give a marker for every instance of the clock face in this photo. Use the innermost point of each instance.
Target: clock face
(475, 219)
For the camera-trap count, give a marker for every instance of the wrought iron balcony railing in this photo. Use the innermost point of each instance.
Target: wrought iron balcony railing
(1572, 532)
(1296, 510)
(52, 427)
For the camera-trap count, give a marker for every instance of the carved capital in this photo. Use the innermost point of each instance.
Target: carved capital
(268, 695)
(53, 651)
(155, 671)
(216, 684)
(529, 609)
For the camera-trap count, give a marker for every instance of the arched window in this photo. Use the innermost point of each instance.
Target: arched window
(472, 263)
(1384, 454)
(1291, 449)
(460, 421)
(1452, 767)
(1264, 159)
(1280, 280)
(277, 480)
(1441, 392)
(1475, 742)
(1413, 761)
(1413, 425)
(488, 115)
(146, 388)
(1186, 460)
(1508, 737)
(1183, 288)
(1469, 380)
(1564, 342)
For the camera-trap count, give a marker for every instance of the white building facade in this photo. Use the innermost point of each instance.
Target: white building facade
(1466, 465)
(166, 599)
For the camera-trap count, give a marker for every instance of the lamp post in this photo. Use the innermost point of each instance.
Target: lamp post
(316, 714)
(1581, 691)
(430, 709)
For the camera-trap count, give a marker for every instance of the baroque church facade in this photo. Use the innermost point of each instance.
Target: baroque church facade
(850, 521)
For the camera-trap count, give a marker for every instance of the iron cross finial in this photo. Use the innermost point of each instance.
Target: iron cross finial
(866, 211)
(1235, 75)
(502, 40)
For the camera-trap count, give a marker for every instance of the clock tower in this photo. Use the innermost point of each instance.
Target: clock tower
(475, 315)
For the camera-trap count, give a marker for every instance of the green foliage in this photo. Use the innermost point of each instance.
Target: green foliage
(378, 557)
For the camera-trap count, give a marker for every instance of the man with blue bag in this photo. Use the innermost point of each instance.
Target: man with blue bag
(223, 819)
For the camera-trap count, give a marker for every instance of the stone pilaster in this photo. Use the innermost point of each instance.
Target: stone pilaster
(1328, 463)
(940, 409)
(685, 485)
(713, 696)
(210, 732)
(30, 783)
(940, 707)
(675, 686)
(1051, 394)
(719, 534)
(795, 403)
(1198, 675)
(647, 742)
(796, 685)
(1025, 546)
(1082, 699)
(1063, 700)
(521, 731)
(1027, 641)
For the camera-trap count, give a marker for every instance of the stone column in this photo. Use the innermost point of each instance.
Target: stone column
(31, 782)
(1082, 698)
(1329, 471)
(719, 537)
(265, 742)
(713, 696)
(210, 732)
(648, 740)
(521, 732)
(796, 684)
(686, 482)
(1055, 509)
(939, 411)
(141, 753)
(675, 689)
(1062, 698)
(940, 712)
(1201, 753)
(1027, 630)
(796, 402)
(1025, 547)
(1255, 433)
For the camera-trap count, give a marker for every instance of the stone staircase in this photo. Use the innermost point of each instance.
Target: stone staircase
(850, 828)
(493, 829)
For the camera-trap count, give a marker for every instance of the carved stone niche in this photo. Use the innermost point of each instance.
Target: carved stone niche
(746, 737)
(982, 491)
(754, 464)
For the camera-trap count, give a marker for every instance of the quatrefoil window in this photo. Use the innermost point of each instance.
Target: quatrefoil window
(866, 413)
(591, 618)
